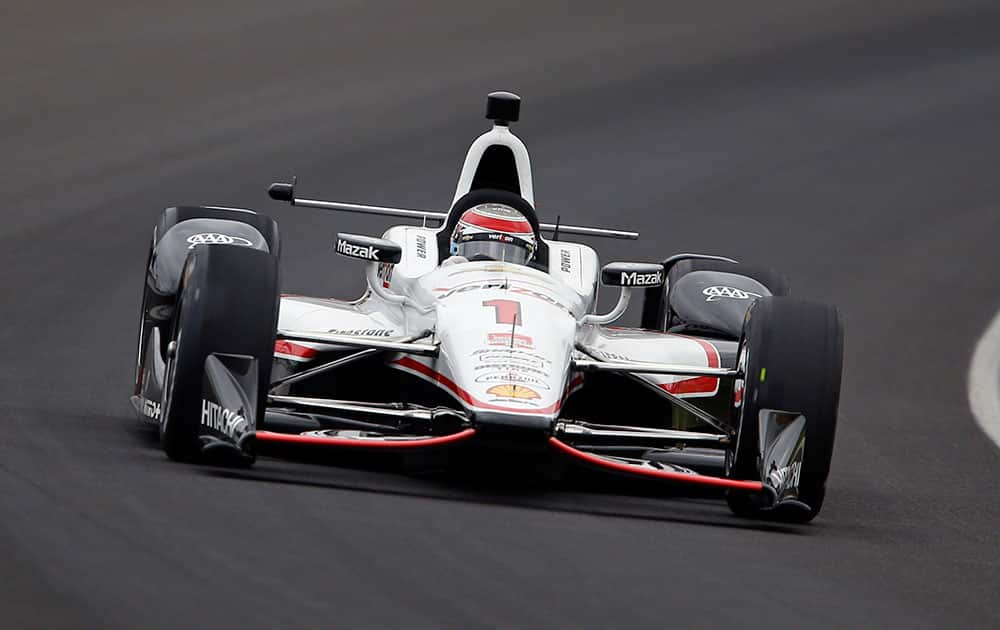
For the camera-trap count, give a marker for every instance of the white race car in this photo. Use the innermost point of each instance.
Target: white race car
(483, 334)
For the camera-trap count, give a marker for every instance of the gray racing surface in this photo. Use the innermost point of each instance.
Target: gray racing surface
(855, 145)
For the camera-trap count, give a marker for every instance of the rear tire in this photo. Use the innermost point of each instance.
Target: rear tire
(227, 303)
(791, 354)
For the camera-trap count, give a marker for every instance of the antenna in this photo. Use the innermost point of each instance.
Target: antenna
(555, 232)
(510, 372)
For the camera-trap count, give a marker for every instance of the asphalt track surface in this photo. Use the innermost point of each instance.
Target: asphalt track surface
(853, 144)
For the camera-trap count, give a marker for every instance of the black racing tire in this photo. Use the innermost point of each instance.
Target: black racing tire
(791, 353)
(228, 303)
(655, 309)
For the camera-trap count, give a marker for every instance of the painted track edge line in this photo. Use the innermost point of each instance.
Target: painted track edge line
(984, 381)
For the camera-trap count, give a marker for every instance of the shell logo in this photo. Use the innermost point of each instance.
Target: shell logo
(513, 391)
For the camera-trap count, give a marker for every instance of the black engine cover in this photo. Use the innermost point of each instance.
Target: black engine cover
(712, 302)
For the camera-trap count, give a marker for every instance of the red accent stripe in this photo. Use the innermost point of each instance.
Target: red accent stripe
(710, 351)
(698, 384)
(704, 480)
(513, 226)
(294, 349)
(417, 366)
(316, 440)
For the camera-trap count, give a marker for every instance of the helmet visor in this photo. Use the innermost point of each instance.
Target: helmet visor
(511, 252)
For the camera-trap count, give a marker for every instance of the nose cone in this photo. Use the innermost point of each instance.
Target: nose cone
(508, 354)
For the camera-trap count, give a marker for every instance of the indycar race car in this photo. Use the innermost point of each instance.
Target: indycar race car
(480, 334)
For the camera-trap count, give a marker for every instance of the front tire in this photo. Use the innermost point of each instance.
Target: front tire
(791, 354)
(227, 304)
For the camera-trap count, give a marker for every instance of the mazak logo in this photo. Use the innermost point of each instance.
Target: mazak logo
(367, 252)
(636, 279)
(218, 418)
(212, 238)
(732, 293)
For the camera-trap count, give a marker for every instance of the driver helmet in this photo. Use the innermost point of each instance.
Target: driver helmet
(494, 231)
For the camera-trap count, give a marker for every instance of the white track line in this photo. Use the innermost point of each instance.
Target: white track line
(984, 381)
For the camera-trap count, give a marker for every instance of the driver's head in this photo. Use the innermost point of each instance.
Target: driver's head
(494, 231)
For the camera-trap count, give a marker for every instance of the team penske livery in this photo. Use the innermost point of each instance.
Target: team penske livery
(479, 332)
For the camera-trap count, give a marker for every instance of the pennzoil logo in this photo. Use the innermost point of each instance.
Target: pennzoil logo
(510, 390)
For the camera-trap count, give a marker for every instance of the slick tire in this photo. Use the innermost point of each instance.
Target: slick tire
(655, 310)
(791, 354)
(228, 303)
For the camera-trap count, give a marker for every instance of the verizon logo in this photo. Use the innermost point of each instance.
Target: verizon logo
(366, 252)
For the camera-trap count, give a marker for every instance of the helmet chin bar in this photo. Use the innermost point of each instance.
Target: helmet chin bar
(615, 313)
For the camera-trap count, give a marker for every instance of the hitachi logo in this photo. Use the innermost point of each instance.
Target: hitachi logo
(786, 477)
(218, 418)
(636, 279)
(368, 252)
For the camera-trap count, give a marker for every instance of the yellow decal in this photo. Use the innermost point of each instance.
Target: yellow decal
(513, 391)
